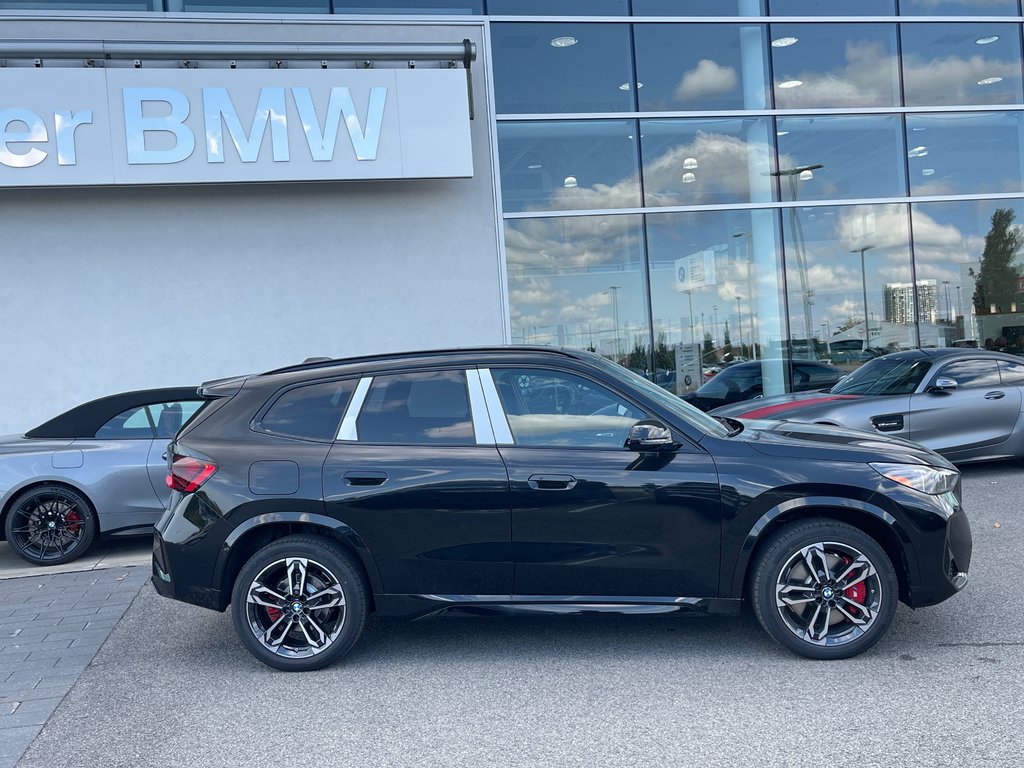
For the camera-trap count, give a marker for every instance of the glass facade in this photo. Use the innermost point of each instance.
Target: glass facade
(809, 187)
(716, 180)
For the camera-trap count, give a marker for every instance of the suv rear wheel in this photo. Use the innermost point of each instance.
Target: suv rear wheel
(824, 589)
(299, 603)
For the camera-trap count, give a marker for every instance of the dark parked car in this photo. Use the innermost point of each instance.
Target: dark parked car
(97, 469)
(964, 403)
(425, 483)
(744, 381)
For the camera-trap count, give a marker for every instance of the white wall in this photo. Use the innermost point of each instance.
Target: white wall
(104, 290)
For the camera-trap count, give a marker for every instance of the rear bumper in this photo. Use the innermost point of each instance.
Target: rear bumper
(173, 579)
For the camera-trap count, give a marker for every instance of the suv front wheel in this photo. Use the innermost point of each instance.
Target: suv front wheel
(299, 603)
(824, 589)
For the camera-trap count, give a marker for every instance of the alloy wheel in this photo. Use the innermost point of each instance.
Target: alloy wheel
(828, 593)
(48, 527)
(296, 607)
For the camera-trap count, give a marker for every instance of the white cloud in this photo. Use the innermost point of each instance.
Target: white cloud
(708, 78)
(954, 80)
(867, 79)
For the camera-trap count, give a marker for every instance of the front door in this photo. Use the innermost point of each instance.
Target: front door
(591, 518)
(981, 411)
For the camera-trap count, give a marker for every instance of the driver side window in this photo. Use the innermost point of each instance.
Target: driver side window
(560, 409)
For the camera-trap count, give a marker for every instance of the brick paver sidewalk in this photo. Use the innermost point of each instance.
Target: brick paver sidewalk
(50, 629)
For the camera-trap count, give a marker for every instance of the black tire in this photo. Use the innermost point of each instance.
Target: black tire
(824, 589)
(50, 525)
(299, 603)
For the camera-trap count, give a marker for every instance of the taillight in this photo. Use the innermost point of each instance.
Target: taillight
(187, 474)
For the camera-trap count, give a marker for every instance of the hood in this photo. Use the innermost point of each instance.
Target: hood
(797, 440)
(780, 406)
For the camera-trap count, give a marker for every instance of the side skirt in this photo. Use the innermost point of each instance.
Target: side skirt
(424, 606)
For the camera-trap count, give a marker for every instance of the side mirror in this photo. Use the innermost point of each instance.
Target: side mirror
(943, 384)
(650, 435)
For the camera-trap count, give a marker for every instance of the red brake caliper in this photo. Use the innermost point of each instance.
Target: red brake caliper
(858, 592)
(273, 613)
(72, 521)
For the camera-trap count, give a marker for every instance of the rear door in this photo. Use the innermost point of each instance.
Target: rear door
(415, 473)
(982, 411)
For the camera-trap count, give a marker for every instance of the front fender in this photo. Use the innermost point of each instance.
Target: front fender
(806, 506)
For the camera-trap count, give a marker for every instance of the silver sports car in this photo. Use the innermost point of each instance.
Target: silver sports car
(964, 403)
(98, 469)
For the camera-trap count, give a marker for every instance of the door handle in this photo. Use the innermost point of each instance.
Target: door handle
(994, 395)
(552, 482)
(366, 478)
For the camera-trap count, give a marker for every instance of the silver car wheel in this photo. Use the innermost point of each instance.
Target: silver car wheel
(828, 594)
(296, 607)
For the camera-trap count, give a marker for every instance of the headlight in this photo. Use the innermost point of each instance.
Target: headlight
(931, 480)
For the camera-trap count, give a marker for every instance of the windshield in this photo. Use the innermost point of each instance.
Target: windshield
(884, 377)
(668, 401)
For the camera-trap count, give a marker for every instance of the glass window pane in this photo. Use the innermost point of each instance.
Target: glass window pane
(958, 7)
(578, 282)
(961, 64)
(972, 373)
(832, 8)
(557, 7)
(562, 68)
(691, 161)
(256, 6)
(312, 412)
(698, 7)
(132, 424)
(1013, 373)
(169, 417)
(859, 155)
(428, 408)
(418, 7)
(849, 280)
(701, 66)
(971, 250)
(716, 295)
(91, 5)
(964, 153)
(554, 408)
(834, 65)
(568, 165)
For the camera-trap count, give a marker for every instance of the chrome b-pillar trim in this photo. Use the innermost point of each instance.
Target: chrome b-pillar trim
(347, 430)
(499, 422)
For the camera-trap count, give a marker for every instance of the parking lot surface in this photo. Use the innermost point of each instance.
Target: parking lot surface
(171, 685)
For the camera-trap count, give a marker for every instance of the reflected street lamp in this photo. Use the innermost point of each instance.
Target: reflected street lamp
(864, 287)
(739, 322)
(804, 172)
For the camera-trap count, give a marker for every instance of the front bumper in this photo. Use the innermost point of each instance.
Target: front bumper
(944, 562)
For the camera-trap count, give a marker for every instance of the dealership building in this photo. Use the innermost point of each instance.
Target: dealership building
(191, 189)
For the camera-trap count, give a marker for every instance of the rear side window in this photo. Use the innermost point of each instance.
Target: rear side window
(312, 412)
(423, 408)
(132, 424)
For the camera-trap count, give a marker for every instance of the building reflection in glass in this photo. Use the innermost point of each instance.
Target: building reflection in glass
(579, 282)
(862, 300)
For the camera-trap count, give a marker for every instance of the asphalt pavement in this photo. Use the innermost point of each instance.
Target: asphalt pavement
(172, 686)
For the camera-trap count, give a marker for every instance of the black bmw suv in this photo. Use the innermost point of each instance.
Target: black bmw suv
(540, 480)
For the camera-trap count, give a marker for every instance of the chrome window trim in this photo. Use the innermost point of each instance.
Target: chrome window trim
(478, 408)
(347, 431)
(499, 421)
